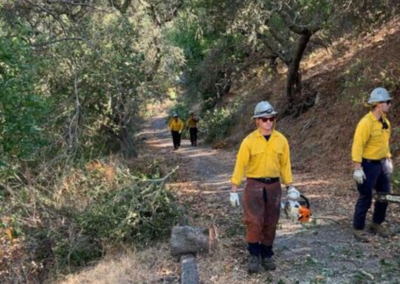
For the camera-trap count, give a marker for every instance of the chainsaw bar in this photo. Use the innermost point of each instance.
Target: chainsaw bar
(387, 197)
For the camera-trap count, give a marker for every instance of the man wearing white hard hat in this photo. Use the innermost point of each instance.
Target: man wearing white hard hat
(372, 164)
(265, 160)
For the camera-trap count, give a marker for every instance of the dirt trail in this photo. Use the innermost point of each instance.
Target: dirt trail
(322, 251)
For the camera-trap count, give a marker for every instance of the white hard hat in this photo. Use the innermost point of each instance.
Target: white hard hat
(263, 109)
(175, 114)
(379, 95)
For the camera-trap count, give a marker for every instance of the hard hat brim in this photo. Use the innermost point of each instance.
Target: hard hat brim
(274, 113)
(372, 102)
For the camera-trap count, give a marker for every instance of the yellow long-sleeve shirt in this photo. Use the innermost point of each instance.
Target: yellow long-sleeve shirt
(175, 124)
(192, 123)
(370, 140)
(259, 158)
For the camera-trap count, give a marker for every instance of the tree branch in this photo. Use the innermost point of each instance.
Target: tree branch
(58, 40)
(274, 48)
(298, 29)
(122, 7)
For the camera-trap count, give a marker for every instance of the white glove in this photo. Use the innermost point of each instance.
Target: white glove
(292, 193)
(234, 199)
(359, 176)
(389, 165)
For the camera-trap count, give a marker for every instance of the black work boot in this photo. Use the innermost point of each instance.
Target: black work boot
(268, 264)
(254, 264)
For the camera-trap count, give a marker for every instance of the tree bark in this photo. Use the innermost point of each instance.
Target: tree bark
(293, 84)
(188, 240)
(127, 144)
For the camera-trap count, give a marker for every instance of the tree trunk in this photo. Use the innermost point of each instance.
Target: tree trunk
(293, 83)
(127, 143)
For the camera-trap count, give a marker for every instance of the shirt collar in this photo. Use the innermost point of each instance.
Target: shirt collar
(372, 116)
(258, 133)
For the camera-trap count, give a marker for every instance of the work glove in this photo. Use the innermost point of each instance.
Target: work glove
(180, 132)
(389, 165)
(234, 199)
(359, 176)
(292, 192)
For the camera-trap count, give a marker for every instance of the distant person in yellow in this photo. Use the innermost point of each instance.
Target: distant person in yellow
(264, 157)
(372, 164)
(175, 125)
(192, 125)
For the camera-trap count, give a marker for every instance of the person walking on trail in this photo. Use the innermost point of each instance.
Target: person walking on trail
(265, 158)
(372, 164)
(192, 125)
(175, 125)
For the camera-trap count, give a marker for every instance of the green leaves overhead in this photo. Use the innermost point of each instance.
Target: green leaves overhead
(101, 63)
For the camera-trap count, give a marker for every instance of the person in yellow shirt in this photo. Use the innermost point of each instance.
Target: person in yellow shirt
(192, 125)
(372, 164)
(264, 158)
(175, 125)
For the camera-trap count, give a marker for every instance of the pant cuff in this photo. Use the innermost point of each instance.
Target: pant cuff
(266, 251)
(254, 248)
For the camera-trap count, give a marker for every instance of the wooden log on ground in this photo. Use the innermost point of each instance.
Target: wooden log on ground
(189, 240)
(189, 272)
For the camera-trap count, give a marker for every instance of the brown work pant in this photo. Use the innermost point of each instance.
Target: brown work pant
(261, 204)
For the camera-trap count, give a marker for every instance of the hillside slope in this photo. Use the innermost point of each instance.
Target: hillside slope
(321, 252)
(343, 76)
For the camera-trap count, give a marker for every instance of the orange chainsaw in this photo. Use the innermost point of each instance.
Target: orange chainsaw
(297, 209)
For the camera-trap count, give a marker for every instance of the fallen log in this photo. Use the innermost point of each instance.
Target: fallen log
(189, 240)
(186, 242)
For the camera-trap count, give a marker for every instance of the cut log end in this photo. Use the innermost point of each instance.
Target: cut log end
(191, 240)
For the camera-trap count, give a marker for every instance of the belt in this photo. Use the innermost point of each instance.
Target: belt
(373, 161)
(265, 180)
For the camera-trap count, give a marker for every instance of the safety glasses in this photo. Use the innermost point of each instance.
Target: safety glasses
(265, 119)
(386, 102)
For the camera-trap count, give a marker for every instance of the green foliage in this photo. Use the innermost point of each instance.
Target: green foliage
(186, 35)
(396, 180)
(99, 68)
(23, 111)
(181, 109)
(361, 16)
(138, 214)
(211, 50)
(218, 123)
(101, 205)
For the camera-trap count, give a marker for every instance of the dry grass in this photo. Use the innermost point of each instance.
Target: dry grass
(147, 266)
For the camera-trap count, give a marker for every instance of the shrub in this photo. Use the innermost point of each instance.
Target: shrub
(81, 213)
(218, 123)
